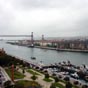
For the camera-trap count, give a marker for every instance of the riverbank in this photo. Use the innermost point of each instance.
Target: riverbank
(50, 48)
(73, 50)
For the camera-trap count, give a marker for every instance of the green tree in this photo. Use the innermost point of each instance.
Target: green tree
(7, 84)
(23, 70)
(56, 79)
(34, 77)
(46, 75)
(68, 85)
(52, 86)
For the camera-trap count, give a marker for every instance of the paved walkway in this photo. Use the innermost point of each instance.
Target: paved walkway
(39, 79)
(6, 77)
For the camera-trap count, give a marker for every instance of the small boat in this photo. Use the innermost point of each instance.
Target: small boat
(33, 58)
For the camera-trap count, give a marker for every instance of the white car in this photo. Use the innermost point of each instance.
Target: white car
(75, 75)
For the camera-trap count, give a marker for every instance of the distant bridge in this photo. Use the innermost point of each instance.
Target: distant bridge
(31, 36)
(15, 35)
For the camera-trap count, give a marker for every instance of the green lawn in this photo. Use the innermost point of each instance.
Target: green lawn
(32, 72)
(17, 75)
(47, 79)
(26, 84)
(63, 81)
(59, 85)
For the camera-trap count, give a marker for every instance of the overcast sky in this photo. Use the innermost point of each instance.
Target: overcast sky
(55, 18)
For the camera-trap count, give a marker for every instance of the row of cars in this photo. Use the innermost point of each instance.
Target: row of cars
(62, 74)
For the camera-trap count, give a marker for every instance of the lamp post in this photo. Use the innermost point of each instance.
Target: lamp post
(12, 72)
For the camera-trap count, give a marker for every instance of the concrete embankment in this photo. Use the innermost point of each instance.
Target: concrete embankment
(58, 49)
(50, 48)
(65, 50)
(73, 50)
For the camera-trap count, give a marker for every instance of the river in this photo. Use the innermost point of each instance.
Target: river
(47, 56)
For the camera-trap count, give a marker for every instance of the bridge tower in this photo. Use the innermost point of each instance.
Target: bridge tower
(32, 39)
(42, 40)
(43, 37)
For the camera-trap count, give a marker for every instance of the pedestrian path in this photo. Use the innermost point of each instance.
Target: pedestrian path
(39, 79)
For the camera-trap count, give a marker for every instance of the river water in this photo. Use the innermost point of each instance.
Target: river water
(47, 56)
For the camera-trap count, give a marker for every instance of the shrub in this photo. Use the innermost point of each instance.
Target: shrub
(54, 75)
(34, 77)
(45, 71)
(68, 85)
(52, 86)
(23, 71)
(67, 79)
(56, 79)
(60, 77)
(7, 84)
(47, 75)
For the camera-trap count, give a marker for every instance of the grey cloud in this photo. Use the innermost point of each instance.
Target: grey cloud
(39, 3)
(50, 17)
(77, 4)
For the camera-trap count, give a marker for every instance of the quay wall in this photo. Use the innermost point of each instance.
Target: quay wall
(50, 48)
(68, 50)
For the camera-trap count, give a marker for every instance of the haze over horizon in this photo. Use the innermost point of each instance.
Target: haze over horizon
(53, 18)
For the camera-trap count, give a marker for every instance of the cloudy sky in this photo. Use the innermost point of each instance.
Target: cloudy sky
(55, 18)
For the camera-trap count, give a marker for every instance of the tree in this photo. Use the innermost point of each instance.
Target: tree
(23, 71)
(54, 75)
(33, 77)
(67, 79)
(7, 84)
(52, 86)
(56, 79)
(46, 75)
(68, 85)
(60, 77)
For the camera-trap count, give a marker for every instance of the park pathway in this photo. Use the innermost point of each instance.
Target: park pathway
(39, 79)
